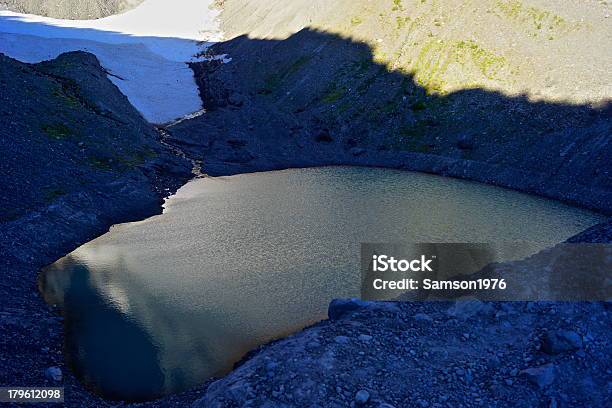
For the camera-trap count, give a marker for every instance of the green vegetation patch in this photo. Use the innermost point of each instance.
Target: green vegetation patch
(273, 82)
(51, 193)
(120, 162)
(333, 94)
(537, 20)
(57, 131)
(412, 138)
(487, 61)
(65, 98)
(431, 65)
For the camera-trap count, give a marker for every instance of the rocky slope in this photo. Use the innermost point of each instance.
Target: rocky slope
(70, 9)
(413, 85)
(547, 49)
(76, 158)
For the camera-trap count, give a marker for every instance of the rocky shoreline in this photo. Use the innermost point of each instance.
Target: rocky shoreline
(431, 354)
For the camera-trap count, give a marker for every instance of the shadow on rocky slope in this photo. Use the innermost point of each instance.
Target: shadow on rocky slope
(317, 98)
(76, 158)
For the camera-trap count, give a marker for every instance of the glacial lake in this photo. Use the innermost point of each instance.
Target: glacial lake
(161, 305)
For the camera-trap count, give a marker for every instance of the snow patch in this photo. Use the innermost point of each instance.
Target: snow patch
(145, 50)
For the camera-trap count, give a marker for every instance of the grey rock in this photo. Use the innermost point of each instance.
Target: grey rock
(357, 151)
(362, 397)
(54, 374)
(236, 99)
(423, 317)
(341, 339)
(465, 142)
(556, 342)
(542, 376)
(467, 308)
(270, 366)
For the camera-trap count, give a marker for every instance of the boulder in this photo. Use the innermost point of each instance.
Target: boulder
(54, 374)
(560, 341)
(362, 397)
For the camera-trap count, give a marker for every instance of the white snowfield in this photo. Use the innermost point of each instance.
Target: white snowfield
(145, 49)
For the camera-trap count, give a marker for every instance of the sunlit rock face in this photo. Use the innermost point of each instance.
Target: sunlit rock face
(144, 50)
(70, 9)
(512, 46)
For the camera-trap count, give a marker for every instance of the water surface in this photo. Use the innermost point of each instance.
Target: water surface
(161, 305)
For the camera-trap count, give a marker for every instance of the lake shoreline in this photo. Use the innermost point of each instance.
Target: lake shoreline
(82, 397)
(308, 225)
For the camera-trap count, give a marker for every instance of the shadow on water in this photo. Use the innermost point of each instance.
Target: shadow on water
(116, 332)
(89, 318)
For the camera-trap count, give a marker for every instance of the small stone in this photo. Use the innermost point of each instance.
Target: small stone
(362, 397)
(341, 339)
(465, 142)
(54, 374)
(469, 377)
(365, 337)
(541, 376)
(314, 344)
(270, 366)
(323, 136)
(423, 317)
(236, 99)
(423, 403)
(509, 381)
(357, 151)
